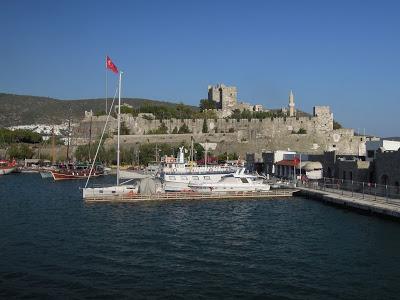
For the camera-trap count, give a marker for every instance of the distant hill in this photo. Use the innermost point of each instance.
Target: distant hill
(393, 138)
(24, 110)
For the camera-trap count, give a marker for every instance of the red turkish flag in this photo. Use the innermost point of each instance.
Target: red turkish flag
(110, 65)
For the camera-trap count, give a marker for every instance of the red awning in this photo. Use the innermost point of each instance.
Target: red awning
(287, 162)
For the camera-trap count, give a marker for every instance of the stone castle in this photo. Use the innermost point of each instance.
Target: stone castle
(226, 100)
(242, 135)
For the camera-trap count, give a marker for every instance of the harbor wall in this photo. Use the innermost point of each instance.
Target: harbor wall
(368, 206)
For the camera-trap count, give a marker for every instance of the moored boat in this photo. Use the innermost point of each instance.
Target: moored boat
(76, 172)
(110, 191)
(238, 182)
(6, 167)
(177, 173)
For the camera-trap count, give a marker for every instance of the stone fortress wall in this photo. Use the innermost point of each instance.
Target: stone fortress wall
(242, 135)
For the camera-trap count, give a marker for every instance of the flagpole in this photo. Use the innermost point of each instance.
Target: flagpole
(300, 166)
(106, 86)
(119, 123)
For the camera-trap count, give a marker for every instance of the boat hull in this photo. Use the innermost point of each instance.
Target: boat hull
(46, 174)
(180, 182)
(5, 171)
(172, 186)
(111, 191)
(57, 176)
(228, 189)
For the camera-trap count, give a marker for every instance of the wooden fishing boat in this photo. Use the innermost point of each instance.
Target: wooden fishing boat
(6, 167)
(76, 172)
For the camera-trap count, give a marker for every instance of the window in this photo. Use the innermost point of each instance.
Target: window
(195, 177)
(207, 178)
(244, 180)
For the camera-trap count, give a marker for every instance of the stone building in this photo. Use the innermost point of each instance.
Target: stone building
(254, 162)
(353, 169)
(372, 147)
(387, 168)
(226, 100)
(224, 96)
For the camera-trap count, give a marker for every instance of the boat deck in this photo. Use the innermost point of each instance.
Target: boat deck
(194, 196)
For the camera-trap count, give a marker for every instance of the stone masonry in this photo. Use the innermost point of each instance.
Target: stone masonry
(242, 135)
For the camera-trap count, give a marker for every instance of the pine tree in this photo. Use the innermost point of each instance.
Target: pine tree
(205, 127)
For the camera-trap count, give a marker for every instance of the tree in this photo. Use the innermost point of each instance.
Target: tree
(126, 109)
(205, 127)
(183, 129)
(100, 113)
(175, 131)
(8, 136)
(336, 125)
(20, 151)
(300, 131)
(199, 151)
(162, 129)
(207, 104)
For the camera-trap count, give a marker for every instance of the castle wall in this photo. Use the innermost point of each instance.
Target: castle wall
(243, 135)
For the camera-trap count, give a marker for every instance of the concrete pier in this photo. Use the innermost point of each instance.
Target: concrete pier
(376, 205)
(194, 196)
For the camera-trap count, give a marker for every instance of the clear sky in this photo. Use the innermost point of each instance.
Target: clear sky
(345, 54)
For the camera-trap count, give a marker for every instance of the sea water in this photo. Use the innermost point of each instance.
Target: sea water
(54, 245)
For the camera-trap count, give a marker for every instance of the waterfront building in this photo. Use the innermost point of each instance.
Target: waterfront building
(271, 158)
(386, 168)
(384, 145)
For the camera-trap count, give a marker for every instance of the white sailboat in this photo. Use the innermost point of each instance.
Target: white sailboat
(120, 189)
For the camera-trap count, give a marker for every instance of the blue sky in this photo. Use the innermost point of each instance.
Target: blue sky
(339, 53)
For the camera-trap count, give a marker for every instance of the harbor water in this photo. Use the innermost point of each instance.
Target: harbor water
(53, 246)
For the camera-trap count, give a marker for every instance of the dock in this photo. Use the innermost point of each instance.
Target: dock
(170, 196)
(383, 206)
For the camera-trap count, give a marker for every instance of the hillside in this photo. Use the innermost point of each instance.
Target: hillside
(22, 110)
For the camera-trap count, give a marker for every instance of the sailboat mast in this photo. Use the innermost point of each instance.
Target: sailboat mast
(90, 137)
(69, 133)
(53, 146)
(119, 123)
(205, 156)
(192, 151)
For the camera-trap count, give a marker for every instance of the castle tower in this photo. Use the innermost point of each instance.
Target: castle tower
(292, 111)
(224, 96)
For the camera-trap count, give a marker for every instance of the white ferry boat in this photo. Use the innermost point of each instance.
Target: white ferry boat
(237, 182)
(177, 174)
